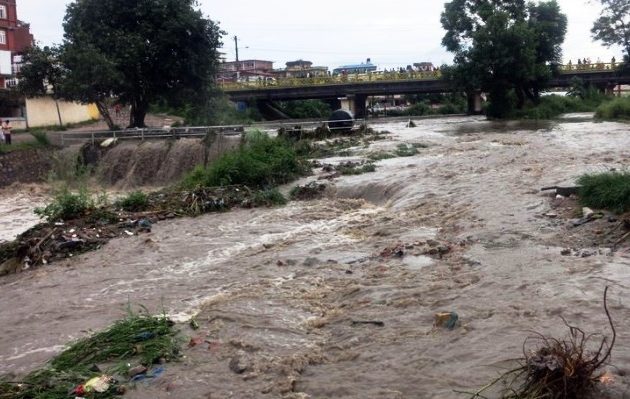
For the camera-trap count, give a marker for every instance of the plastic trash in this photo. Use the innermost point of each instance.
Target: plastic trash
(152, 374)
(447, 320)
(98, 384)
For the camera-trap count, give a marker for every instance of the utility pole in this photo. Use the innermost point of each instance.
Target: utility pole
(238, 64)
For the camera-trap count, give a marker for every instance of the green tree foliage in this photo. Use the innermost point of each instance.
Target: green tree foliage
(41, 72)
(504, 48)
(301, 109)
(146, 49)
(613, 25)
(138, 52)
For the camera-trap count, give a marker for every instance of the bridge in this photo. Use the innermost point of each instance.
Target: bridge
(357, 87)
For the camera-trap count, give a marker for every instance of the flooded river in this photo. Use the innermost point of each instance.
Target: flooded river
(305, 299)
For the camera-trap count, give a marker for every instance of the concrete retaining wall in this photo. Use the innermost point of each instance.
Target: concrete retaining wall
(42, 111)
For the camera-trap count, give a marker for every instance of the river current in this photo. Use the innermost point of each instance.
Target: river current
(280, 291)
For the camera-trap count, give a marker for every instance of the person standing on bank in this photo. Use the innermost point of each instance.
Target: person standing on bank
(6, 132)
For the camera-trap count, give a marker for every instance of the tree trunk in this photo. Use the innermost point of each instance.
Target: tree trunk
(520, 95)
(104, 111)
(137, 114)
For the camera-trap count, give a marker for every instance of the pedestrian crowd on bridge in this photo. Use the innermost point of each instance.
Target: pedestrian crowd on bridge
(586, 63)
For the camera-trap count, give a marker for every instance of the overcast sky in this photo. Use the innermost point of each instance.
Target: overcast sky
(333, 32)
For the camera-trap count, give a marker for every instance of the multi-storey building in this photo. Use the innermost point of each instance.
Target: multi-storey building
(301, 69)
(244, 71)
(15, 37)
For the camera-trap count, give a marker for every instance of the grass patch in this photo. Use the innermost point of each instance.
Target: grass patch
(28, 145)
(608, 190)
(262, 162)
(554, 105)
(135, 340)
(136, 201)
(617, 109)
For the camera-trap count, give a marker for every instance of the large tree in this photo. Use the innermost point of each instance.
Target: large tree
(140, 50)
(503, 47)
(136, 51)
(613, 25)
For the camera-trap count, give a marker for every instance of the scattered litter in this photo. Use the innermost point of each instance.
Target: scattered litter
(153, 374)
(373, 322)
(134, 371)
(129, 233)
(447, 320)
(563, 191)
(194, 341)
(98, 384)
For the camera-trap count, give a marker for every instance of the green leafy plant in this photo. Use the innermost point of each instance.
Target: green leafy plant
(136, 201)
(67, 205)
(617, 109)
(262, 162)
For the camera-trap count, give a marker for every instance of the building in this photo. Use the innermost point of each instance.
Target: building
(357, 68)
(245, 71)
(15, 37)
(301, 69)
(424, 66)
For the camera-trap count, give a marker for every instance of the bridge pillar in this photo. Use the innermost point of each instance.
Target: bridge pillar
(357, 104)
(475, 103)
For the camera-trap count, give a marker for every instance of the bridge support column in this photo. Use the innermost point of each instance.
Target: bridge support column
(358, 106)
(475, 103)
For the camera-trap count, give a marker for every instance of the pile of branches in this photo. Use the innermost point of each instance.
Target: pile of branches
(557, 368)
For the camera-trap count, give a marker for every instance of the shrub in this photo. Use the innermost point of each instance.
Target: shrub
(67, 205)
(349, 169)
(269, 197)
(609, 190)
(302, 109)
(136, 201)
(419, 109)
(262, 162)
(616, 109)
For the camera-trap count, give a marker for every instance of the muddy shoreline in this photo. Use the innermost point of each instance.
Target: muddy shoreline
(276, 291)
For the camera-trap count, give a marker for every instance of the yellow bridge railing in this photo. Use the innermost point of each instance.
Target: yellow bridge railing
(276, 83)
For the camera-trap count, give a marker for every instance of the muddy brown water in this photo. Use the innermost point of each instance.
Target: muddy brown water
(276, 291)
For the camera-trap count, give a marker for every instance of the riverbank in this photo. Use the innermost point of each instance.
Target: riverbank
(284, 294)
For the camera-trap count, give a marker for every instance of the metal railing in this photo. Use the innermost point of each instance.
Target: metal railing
(385, 77)
(68, 138)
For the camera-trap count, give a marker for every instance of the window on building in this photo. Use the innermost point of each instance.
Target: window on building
(3, 12)
(3, 36)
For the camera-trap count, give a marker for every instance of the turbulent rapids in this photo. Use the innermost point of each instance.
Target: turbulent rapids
(336, 297)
